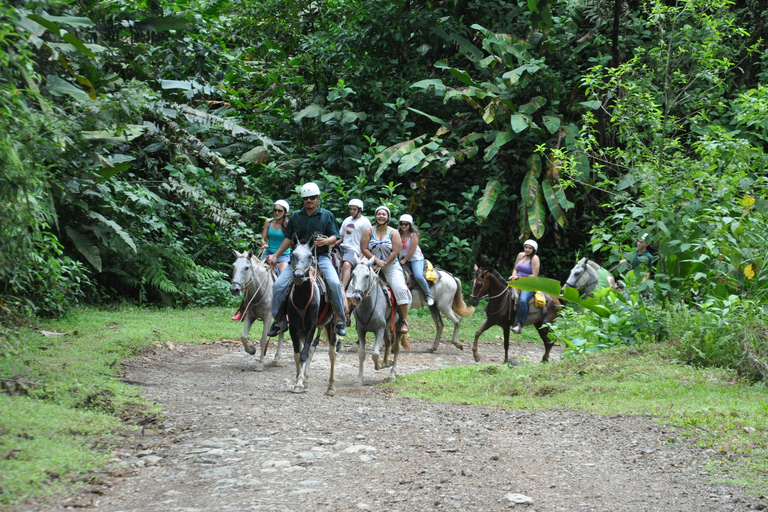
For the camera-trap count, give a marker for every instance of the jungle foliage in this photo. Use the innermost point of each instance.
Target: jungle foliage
(140, 141)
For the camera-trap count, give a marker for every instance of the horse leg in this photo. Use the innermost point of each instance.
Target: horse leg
(276, 361)
(548, 344)
(395, 352)
(456, 320)
(488, 323)
(360, 351)
(377, 348)
(246, 329)
(331, 331)
(438, 326)
(505, 328)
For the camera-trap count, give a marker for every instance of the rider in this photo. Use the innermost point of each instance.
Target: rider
(311, 221)
(383, 244)
(273, 231)
(351, 231)
(411, 254)
(526, 265)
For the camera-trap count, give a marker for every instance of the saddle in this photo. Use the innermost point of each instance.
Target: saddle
(431, 274)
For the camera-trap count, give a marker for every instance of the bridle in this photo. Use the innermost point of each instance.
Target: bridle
(589, 283)
(244, 286)
(507, 292)
(374, 281)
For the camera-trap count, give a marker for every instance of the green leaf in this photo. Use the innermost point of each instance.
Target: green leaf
(432, 82)
(74, 41)
(490, 195)
(72, 21)
(411, 160)
(552, 123)
(533, 105)
(161, 24)
(501, 139)
(116, 228)
(553, 203)
(127, 134)
(50, 25)
(313, 110)
(185, 85)
(86, 247)
(60, 87)
(552, 287)
(393, 154)
(518, 122)
(537, 214)
(432, 118)
(593, 105)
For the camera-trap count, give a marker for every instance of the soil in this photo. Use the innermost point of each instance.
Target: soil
(232, 438)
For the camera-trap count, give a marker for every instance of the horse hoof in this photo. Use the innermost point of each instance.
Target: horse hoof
(459, 346)
(477, 357)
(391, 378)
(275, 364)
(259, 368)
(298, 390)
(331, 392)
(249, 348)
(430, 350)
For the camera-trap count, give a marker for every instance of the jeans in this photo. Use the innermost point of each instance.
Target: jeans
(331, 280)
(522, 311)
(417, 267)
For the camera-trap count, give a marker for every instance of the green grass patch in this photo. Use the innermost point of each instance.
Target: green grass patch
(711, 407)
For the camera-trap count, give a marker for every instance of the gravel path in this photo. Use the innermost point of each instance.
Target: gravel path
(234, 439)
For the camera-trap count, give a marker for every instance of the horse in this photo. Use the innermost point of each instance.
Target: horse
(449, 300)
(252, 277)
(502, 309)
(374, 312)
(308, 308)
(585, 277)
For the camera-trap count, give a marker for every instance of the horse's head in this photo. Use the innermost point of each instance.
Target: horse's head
(362, 280)
(241, 272)
(578, 275)
(479, 285)
(301, 261)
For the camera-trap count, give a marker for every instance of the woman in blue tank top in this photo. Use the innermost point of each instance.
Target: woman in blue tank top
(272, 235)
(526, 265)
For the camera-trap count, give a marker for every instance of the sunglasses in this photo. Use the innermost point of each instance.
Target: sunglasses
(405, 223)
(278, 210)
(310, 198)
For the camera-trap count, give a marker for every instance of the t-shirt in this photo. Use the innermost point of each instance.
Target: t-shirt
(352, 231)
(305, 226)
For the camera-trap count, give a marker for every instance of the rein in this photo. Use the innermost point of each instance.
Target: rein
(303, 311)
(506, 292)
(245, 287)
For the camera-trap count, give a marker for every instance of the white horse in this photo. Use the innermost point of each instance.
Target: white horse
(252, 277)
(374, 312)
(586, 276)
(449, 300)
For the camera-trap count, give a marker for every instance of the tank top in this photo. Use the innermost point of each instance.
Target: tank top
(524, 269)
(276, 237)
(417, 254)
(381, 248)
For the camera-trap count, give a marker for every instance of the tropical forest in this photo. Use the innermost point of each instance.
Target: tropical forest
(141, 142)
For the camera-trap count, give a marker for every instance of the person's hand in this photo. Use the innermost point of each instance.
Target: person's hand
(272, 260)
(264, 245)
(321, 240)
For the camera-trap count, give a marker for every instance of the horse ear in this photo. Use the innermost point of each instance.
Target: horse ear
(296, 240)
(250, 254)
(475, 267)
(237, 254)
(371, 262)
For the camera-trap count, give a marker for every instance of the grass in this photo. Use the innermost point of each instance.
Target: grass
(64, 428)
(710, 407)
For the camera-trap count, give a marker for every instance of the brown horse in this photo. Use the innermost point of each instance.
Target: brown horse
(502, 309)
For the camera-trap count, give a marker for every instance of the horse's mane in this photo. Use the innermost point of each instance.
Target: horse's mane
(496, 274)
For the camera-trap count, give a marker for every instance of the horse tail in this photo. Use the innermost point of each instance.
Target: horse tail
(404, 341)
(459, 307)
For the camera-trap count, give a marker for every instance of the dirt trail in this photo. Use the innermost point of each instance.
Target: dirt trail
(235, 439)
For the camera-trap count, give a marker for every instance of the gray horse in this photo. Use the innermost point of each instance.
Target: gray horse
(373, 313)
(587, 275)
(251, 277)
(449, 300)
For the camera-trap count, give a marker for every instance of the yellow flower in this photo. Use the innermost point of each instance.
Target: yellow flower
(749, 271)
(747, 201)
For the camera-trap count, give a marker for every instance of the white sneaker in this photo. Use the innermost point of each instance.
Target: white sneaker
(430, 301)
(516, 329)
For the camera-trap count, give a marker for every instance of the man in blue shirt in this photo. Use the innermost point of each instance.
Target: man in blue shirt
(311, 221)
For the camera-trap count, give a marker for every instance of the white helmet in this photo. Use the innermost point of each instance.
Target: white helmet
(406, 218)
(284, 204)
(382, 207)
(310, 189)
(356, 202)
(532, 243)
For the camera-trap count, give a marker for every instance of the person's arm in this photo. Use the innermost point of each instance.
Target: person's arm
(535, 264)
(272, 260)
(331, 231)
(396, 244)
(514, 271)
(412, 249)
(265, 234)
(365, 241)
